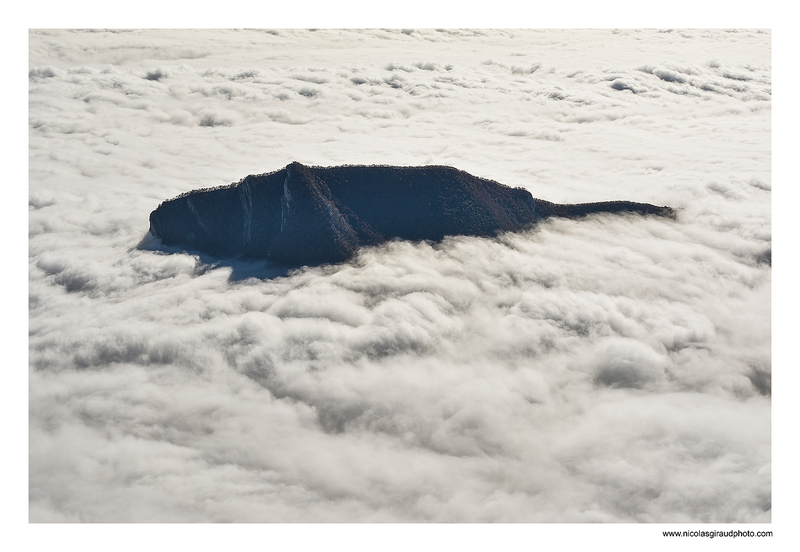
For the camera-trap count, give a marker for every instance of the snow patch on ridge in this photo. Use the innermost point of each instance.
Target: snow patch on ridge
(196, 215)
(286, 198)
(247, 206)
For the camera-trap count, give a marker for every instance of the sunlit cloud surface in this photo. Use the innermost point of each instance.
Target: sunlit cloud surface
(609, 369)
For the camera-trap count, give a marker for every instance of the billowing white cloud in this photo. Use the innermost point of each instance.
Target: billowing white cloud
(609, 369)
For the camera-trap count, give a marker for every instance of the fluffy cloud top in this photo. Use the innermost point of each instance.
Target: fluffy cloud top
(610, 369)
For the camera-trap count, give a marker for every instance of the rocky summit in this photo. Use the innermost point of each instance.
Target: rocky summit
(302, 215)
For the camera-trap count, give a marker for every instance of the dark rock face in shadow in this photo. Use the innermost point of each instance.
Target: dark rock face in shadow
(303, 215)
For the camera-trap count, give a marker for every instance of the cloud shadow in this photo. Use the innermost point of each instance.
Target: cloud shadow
(242, 268)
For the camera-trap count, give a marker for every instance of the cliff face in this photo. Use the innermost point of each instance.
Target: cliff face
(310, 215)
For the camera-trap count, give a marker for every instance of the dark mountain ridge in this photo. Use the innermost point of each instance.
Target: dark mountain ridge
(302, 215)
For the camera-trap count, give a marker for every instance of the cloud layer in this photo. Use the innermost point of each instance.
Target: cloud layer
(611, 369)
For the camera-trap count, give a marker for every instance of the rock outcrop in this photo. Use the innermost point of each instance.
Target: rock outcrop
(304, 215)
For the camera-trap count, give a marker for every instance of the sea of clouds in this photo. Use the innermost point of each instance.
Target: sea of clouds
(603, 370)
